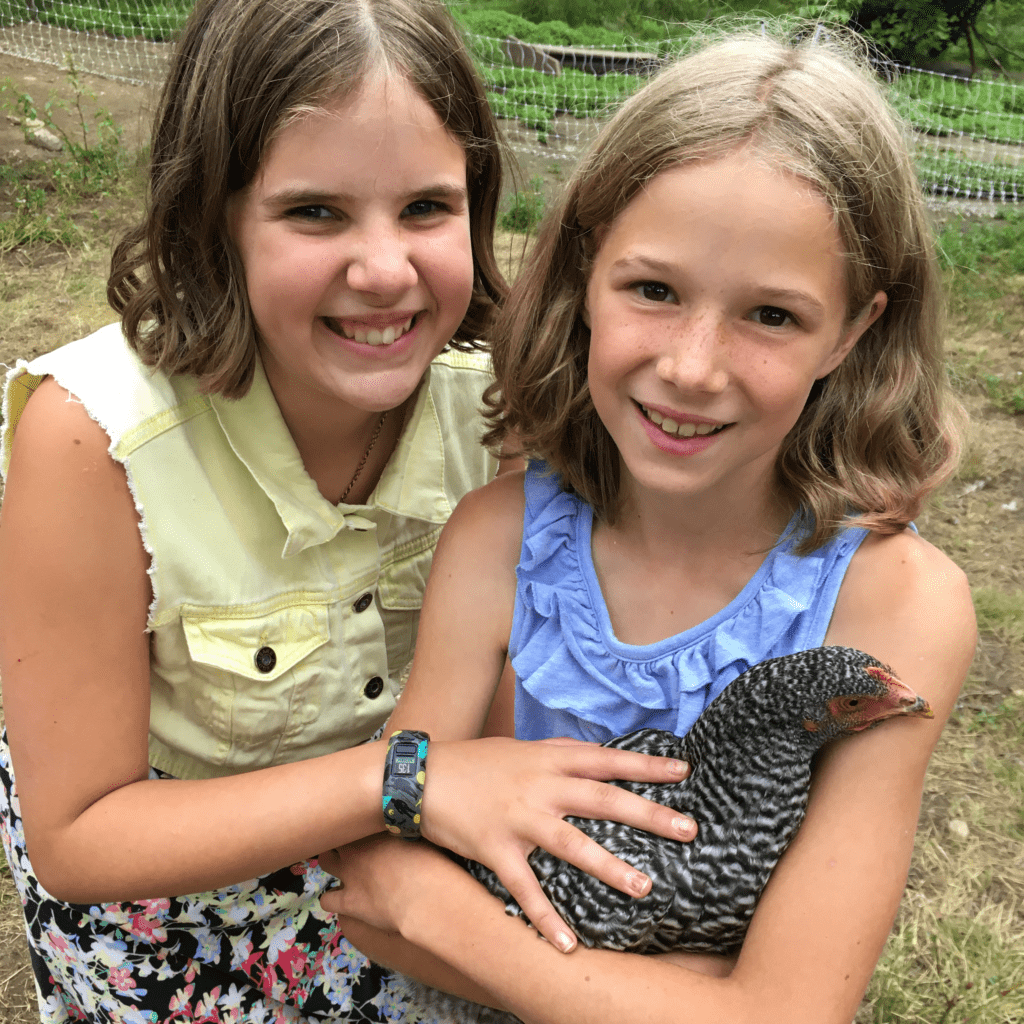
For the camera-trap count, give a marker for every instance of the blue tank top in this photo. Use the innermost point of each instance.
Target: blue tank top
(575, 678)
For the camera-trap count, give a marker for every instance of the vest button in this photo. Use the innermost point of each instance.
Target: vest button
(374, 688)
(265, 659)
(363, 603)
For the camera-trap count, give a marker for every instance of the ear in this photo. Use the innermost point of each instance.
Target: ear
(868, 315)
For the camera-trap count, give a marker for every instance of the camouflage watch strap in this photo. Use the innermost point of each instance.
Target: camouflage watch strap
(405, 770)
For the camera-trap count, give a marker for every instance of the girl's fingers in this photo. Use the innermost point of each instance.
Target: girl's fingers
(605, 763)
(330, 861)
(518, 877)
(568, 843)
(332, 901)
(604, 802)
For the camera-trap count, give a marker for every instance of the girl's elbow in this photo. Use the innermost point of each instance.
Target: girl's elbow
(64, 874)
(59, 880)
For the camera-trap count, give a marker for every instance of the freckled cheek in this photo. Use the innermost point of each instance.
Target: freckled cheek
(448, 265)
(781, 394)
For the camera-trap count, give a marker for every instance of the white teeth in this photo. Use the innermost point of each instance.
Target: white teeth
(373, 337)
(679, 429)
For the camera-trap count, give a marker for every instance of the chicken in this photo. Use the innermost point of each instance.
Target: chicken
(751, 755)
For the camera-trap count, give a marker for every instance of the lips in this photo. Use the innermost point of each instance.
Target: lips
(369, 335)
(675, 429)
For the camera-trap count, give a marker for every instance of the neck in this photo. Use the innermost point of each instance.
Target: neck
(332, 438)
(702, 527)
(669, 563)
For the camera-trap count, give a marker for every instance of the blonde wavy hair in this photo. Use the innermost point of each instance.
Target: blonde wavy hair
(879, 432)
(242, 71)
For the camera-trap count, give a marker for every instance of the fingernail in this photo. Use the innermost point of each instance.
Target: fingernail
(684, 825)
(564, 941)
(679, 767)
(638, 884)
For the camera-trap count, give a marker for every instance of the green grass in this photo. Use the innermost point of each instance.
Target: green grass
(156, 21)
(43, 199)
(991, 249)
(1000, 614)
(939, 969)
(525, 209)
(983, 110)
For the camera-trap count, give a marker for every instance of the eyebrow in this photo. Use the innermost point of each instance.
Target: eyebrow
(299, 196)
(782, 295)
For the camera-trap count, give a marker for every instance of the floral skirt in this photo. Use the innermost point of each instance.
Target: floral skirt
(261, 951)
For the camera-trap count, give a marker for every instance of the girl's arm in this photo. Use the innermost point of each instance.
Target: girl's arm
(824, 917)
(74, 658)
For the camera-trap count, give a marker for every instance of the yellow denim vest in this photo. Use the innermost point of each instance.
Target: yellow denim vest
(282, 625)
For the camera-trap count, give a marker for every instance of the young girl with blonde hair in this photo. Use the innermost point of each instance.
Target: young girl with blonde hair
(726, 351)
(219, 518)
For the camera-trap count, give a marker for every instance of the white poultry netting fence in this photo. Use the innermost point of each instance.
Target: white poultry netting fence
(968, 134)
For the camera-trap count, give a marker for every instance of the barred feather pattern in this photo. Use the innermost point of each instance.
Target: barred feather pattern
(751, 755)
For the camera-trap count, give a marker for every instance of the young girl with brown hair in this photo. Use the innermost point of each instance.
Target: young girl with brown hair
(726, 352)
(220, 515)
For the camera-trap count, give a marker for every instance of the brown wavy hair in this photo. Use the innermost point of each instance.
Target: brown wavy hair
(242, 69)
(882, 429)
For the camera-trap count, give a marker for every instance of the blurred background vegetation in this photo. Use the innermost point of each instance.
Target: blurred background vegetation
(976, 33)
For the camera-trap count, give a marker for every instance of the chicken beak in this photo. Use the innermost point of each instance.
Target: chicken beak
(905, 700)
(916, 706)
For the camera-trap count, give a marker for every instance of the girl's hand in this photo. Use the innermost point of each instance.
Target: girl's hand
(382, 879)
(377, 876)
(495, 800)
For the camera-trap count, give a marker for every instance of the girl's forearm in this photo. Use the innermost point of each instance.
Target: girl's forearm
(497, 953)
(390, 950)
(211, 833)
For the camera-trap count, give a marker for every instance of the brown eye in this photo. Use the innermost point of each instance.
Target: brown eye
(655, 291)
(772, 316)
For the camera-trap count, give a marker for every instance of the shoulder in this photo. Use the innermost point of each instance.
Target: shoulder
(890, 572)
(56, 427)
(490, 518)
(66, 494)
(61, 460)
(481, 541)
(108, 379)
(906, 602)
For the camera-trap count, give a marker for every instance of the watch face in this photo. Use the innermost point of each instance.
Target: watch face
(404, 758)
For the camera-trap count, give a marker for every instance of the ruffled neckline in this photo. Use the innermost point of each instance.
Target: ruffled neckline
(568, 659)
(645, 652)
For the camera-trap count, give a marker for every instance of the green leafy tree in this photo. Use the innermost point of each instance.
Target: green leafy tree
(913, 31)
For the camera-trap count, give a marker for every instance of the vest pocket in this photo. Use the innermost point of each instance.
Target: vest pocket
(401, 586)
(404, 578)
(263, 647)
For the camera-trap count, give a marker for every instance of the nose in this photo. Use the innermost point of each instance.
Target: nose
(695, 355)
(380, 264)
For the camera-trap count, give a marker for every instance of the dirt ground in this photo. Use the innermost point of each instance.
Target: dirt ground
(978, 519)
(131, 106)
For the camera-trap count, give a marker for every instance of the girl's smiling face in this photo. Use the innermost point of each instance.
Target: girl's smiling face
(356, 246)
(716, 299)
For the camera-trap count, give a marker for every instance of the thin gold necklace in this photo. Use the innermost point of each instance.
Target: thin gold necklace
(366, 455)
